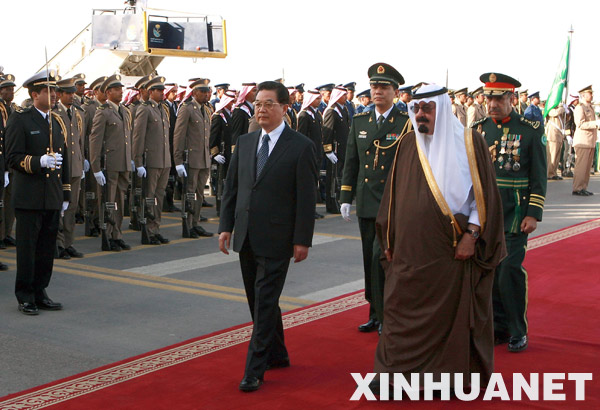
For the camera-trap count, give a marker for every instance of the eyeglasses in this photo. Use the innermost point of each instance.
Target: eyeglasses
(426, 108)
(266, 105)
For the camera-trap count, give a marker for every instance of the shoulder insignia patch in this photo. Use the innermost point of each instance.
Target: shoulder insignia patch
(22, 110)
(405, 113)
(544, 140)
(362, 114)
(533, 124)
(481, 121)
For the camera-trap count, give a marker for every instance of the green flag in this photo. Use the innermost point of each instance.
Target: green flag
(560, 81)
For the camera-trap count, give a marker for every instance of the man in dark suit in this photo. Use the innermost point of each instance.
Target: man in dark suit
(269, 201)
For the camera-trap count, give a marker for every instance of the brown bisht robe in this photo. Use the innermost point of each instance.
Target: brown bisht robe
(437, 310)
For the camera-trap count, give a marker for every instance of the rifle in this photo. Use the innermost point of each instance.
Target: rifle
(135, 203)
(90, 204)
(188, 199)
(145, 205)
(220, 181)
(106, 208)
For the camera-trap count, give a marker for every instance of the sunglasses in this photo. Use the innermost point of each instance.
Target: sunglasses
(426, 108)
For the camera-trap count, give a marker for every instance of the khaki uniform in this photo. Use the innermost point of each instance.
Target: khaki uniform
(75, 128)
(111, 136)
(584, 141)
(90, 106)
(555, 133)
(460, 112)
(192, 133)
(475, 113)
(151, 137)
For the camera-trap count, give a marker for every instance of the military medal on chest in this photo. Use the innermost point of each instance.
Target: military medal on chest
(510, 151)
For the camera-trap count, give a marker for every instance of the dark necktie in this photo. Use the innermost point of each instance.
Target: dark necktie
(263, 155)
(380, 121)
(120, 113)
(69, 114)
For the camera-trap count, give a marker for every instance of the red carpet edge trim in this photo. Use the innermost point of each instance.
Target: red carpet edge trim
(188, 351)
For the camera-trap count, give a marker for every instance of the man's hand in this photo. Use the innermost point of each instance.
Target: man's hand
(51, 161)
(465, 248)
(224, 242)
(300, 253)
(389, 255)
(132, 166)
(528, 225)
(86, 165)
(345, 210)
(65, 205)
(332, 157)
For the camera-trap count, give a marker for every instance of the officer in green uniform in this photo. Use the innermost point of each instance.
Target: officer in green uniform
(518, 150)
(371, 146)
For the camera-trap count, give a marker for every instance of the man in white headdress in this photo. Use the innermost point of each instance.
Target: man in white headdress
(441, 228)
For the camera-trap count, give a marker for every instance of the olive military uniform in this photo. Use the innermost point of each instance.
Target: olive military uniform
(38, 196)
(518, 150)
(369, 157)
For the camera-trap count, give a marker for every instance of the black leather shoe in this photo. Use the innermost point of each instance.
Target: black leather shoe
(206, 205)
(122, 244)
(501, 338)
(203, 218)
(173, 208)
(371, 326)
(3, 266)
(63, 254)
(517, 344)
(94, 232)
(192, 234)
(161, 238)
(153, 240)
(582, 192)
(10, 241)
(73, 252)
(48, 304)
(79, 219)
(380, 329)
(114, 246)
(588, 193)
(28, 309)
(250, 383)
(279, 364)
(202, 232)
(318, 216)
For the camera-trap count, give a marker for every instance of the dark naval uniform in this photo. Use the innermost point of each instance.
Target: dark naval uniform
(369, 157)
(518, 150)
(534, 114)
(336, 125)
(240, 121)
(38, 196)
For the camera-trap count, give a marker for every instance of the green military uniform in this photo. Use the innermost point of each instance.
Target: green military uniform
(369, 156)
(518, 149)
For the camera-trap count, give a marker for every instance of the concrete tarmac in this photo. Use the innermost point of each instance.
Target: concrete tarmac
(121, 304)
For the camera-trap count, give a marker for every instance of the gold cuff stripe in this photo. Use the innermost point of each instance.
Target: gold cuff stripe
(534, 204)
(536, 201)
(347, 188)
(538, 196)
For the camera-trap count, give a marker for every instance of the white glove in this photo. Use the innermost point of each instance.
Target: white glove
(345, 210)
(6, 179)
(86, 165)
(100, 178)
(220, 159)
(51, 161)
(570, 139)
(141, 172)
(181, 170)
(83, 175)
(331, 157)
(132, 166)
(65, 205)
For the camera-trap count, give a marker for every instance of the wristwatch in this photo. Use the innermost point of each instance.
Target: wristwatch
(474, 233)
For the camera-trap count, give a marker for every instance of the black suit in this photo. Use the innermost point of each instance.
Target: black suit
(268, 216)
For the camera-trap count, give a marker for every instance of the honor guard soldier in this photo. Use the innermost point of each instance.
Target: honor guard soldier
(72, 116)
(458, 108)
(405, 95)
(151, 140)
(310, 124)
(290, 116)
(522, 102)
(533, 112)
(297, 105)
(584, 141)
(518, 151)
(7, 213)
(141, 86)
(90, 106)
(365, 102)
(555, 132)
(336, 124)
(476, 111)
(192, 155)
(372, 145)
(35, 144)
(169, 101)
(79, 97)
(325, 91)
(351, 88)
(243, 113)
(110, 148)
(220, 89)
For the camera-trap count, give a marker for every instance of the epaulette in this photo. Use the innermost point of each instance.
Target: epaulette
(362, 114)
(21, 110)
(405, 113)
(102, 107)
(147, 103)
(78, 107)
(88, 102)
(481, 121)
(533, 124)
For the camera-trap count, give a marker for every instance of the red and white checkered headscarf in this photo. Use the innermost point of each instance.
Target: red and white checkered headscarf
(228, 97)
(129, 95)
(309, 97)
(245, 91)
(336, 94)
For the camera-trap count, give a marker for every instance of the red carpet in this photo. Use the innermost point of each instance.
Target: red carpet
(325, 347)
